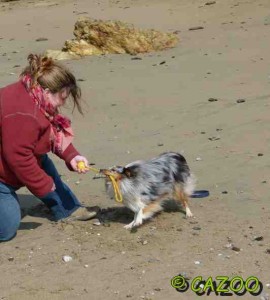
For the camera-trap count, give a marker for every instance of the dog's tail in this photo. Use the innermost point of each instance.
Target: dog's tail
(189, 185)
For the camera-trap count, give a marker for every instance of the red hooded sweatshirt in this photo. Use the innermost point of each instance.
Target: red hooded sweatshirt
(24, 137)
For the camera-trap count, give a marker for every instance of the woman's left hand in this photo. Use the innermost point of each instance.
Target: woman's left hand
(74, 164)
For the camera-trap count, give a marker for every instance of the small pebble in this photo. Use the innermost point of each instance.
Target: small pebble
(212, 99)
(224, 192)
(234, 248)
(41, 39)
(96, 222)
(260, 154)
(196, 28)
(258, 238)
(67, 258)
(214, 138)
(240, 101)
(163, 62)
(197, 262)
(201, 285)
(210, 3)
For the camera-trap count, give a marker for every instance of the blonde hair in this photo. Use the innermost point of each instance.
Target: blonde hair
(52, 76)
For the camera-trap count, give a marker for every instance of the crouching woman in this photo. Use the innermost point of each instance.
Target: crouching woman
(30, 127)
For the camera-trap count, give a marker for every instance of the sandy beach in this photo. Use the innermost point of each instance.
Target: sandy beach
(207, 98)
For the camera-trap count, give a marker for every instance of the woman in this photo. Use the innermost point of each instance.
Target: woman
(31, 126)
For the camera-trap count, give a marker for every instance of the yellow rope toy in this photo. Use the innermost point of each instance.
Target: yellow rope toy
(118, 196)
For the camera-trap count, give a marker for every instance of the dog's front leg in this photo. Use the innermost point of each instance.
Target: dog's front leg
(138, 217)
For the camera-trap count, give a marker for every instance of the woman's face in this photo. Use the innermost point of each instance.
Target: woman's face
(57, 99)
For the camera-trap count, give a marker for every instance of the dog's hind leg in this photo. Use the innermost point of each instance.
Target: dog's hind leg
(183, 199)
(152, 209)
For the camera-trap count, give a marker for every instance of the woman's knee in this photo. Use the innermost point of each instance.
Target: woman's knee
(9, 230)
(10, 216)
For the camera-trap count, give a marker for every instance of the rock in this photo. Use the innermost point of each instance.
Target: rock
(258, 238)
(212, 99)
(41, 39)
(96, 222)
(214, 138)
(240, 101)
(196, 28)
(67, 258)
(234, 248)
(95, 37)
(210, 3)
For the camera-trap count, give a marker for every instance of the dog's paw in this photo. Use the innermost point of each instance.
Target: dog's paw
(189, 214)
(129, 226)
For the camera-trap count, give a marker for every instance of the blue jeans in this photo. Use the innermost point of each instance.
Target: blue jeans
(62, 202)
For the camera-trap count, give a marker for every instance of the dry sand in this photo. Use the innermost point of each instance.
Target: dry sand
(136, 109)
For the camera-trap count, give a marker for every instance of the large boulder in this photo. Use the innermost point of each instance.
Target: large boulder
(94, 37)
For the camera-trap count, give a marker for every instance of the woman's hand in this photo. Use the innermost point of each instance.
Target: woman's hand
(74, 164)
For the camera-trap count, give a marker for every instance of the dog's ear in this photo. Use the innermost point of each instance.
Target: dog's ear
(130, 172)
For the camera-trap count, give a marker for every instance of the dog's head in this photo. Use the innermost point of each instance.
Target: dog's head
(119, 172)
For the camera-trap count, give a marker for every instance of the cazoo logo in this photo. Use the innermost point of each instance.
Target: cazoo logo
(220, 285)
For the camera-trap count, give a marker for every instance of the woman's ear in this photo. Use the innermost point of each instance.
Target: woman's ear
(46, 93)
